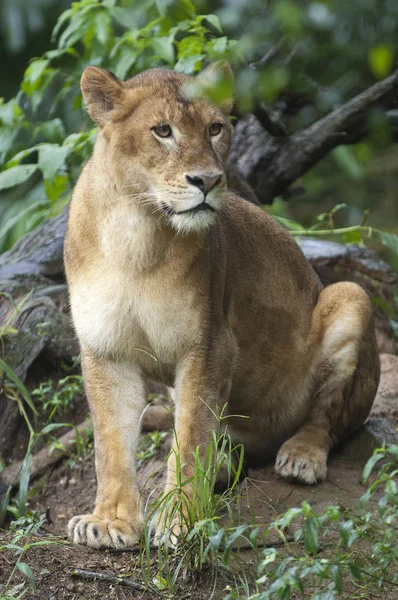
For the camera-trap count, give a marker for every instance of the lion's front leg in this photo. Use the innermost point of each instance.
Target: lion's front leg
(116, 393)
(201, 392)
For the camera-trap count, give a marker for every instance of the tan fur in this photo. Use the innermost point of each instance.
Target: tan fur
(221, 304)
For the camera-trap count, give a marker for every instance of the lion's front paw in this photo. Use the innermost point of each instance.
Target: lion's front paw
(301, 462)
(103, 533)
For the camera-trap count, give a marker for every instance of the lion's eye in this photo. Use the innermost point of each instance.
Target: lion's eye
(215, 128)
(162, 130)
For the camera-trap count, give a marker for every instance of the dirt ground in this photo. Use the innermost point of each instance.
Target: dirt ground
(69, 489)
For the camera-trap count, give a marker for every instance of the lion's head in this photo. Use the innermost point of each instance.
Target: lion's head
(162, 149)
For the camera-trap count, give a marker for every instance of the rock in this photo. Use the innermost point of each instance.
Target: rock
(388, 387)
(360, 447)
(323, 252)
(386, 402)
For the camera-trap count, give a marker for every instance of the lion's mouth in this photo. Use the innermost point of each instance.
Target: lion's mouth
(198, 208)
(203, 206)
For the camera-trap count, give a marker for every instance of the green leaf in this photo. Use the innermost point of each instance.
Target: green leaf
(19, 156)
(16, 175)
(365, 498)
(352, 237)
(392, 490)
(20, 216)
(282, 588)
(163, 5)
(215, 540)
(336, 575)
(163, 46)
(127, 17)
(56, 188)
(220, 46)
(310, 535)
(24, 483)
(35, 71)
(74, 32)
(101, 26)
(290, 15)
(51, 159)
(4, 503)
(390, 240)
(53, 426)
(381, 60)
(160, 582)
(370, 465)
(212, 19)
(348, 533)
(125, 63)
(12, 376)
(26, 570)
(355, 571)
(177, 9)
(189, 46)
(189, 64)
(393, 449)
(62, 19)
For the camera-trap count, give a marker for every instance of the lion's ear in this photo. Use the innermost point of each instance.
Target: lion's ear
(103, 93)
(218, 80)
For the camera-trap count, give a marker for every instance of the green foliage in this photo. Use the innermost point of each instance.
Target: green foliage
(51, 399)
(324, 227)
(24, 527)
(150, 443)
(337, 553)
(45, 136)
(196, 514)
(361, 562)
(58, 397)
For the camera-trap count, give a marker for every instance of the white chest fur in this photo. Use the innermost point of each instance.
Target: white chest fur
(123, 307)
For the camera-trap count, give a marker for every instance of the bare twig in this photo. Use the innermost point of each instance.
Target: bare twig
(93, 576)
(268, 56)
(281, 542)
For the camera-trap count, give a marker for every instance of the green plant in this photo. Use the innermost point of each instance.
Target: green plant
(59, 397)
(150, 443)
(24, 527)
(324, 227)
(192, 506)
(83, 444)
(363, 556)
(333, 554)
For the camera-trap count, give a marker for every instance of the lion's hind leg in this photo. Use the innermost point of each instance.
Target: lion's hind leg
(346, 379)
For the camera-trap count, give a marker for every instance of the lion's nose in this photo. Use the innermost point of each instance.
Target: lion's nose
(204, 182)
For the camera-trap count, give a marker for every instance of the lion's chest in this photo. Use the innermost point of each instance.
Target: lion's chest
(147, 321)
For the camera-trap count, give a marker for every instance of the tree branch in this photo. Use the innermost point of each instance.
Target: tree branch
(270, 164)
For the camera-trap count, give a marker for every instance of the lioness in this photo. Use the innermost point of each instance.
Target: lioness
(174, 277)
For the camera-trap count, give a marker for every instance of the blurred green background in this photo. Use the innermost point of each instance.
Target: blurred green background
(327, 51)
